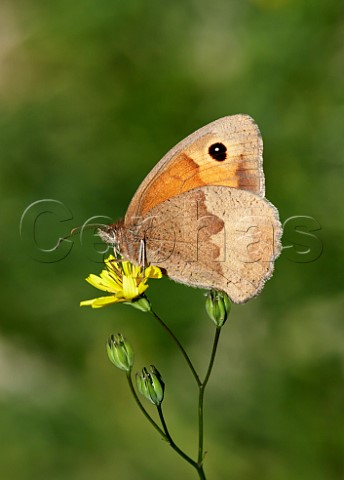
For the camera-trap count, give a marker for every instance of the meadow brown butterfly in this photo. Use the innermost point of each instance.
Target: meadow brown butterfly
(201, 215)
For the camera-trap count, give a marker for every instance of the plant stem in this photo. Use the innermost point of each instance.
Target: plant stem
(201, 387)
(164, 433)
(180, 346)
(201, 396)
(198, 467)
(142, 408)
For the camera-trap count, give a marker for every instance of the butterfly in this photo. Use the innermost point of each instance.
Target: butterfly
(201, 214)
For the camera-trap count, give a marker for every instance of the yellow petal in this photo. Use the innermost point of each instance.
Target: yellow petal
(114, 268)
(142, 288)
(127, 269)
(101, 301)
(130, 289)
(137, 271)
(110, 260)
(153, 272)
(111, 280)
(97, 282)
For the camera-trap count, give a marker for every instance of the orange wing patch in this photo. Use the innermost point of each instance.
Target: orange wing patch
(167, 184)
(189, 165)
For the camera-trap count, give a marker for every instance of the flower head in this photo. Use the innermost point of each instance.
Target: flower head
(124, 281)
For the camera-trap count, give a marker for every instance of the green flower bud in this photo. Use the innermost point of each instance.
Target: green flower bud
(218, 307)
(120, 352)
(151, 385)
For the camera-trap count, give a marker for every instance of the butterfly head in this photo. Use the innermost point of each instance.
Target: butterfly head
(112, 235)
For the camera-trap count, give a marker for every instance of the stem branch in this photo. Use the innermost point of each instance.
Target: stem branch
(180, 346)
(164, 433)
(201, 387)
(201, 396)
(196, 465)
(141, 407)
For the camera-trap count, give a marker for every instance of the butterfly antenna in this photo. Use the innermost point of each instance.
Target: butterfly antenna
(77, 231)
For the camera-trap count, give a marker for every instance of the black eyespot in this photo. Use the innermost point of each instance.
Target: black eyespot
(218, 151)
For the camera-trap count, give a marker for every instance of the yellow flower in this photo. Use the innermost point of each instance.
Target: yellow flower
(126, 282)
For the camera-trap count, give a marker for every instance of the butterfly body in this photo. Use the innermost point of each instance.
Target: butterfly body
(201, 214)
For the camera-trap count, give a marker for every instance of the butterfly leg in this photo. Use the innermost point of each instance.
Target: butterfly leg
(142, 254)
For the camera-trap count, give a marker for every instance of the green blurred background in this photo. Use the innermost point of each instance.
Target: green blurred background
(92, 94)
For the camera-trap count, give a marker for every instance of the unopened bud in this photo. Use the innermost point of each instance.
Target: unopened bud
(218, 307)
(151, 385)
(120, 352)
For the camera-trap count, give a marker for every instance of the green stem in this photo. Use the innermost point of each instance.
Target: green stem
(142, 408)
(201, 396)
(164, 433)
(201, 386)
(198, 467)
(180, 346)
